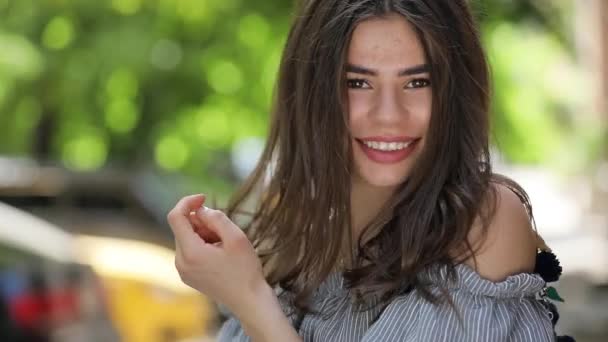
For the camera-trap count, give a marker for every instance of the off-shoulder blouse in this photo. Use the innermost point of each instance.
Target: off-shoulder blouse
(510, 310)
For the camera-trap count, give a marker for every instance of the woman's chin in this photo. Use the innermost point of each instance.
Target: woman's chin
(383, 180)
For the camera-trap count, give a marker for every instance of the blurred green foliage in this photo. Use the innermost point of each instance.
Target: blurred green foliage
(541, 96)
(177, 82)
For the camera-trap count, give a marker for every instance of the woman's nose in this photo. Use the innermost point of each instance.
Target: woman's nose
(390, 107)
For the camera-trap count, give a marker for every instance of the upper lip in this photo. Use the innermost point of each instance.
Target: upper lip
(389, 139)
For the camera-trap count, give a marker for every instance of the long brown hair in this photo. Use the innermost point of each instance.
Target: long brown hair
(301, 224)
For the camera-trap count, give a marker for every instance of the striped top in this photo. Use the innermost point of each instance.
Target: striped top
(510, 310)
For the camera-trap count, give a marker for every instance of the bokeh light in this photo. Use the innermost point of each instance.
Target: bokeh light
(172, 153)
(19, 58)
(58, 33)
(121, 115)
(122, 83)
(126, 7)
(85, 152)
(254, 30)
(224, 76)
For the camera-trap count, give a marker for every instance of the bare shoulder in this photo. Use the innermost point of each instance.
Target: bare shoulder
(509, 247)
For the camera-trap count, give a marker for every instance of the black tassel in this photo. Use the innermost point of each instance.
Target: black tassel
(554, 314)
(547, 266)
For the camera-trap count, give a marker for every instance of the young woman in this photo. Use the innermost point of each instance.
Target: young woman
(380, 218)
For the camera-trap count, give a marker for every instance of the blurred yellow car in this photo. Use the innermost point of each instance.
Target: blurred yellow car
(146, 298)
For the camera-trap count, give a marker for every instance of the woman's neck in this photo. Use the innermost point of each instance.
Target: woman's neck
(366, 201)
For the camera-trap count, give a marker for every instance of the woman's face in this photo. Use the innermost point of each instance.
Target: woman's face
(389, 99)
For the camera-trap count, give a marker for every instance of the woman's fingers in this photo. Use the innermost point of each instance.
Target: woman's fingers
(195, 221)
(201, 229)
(216, 269)
(179, 222)
(219, 224)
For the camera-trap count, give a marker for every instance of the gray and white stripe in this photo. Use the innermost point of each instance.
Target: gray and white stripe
(503, 311)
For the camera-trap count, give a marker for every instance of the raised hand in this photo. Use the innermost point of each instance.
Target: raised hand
(214, 256)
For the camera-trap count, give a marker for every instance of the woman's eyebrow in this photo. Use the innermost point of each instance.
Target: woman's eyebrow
(413, 70)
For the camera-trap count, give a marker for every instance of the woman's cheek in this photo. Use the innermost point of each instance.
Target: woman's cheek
(358, 105)
(420, 103)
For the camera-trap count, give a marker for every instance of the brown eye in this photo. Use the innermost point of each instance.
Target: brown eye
(418, 83)
(357, 83)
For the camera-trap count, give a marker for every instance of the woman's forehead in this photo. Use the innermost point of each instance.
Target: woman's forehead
(385, 42)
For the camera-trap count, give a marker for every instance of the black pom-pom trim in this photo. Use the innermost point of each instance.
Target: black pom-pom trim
(547, 266)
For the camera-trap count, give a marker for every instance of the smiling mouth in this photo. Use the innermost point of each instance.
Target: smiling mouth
(386, 152)
(388, 146)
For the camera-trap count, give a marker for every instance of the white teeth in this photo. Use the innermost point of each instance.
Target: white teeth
(384, 146)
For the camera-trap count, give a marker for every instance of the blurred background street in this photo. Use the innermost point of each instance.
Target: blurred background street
(112, 110)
